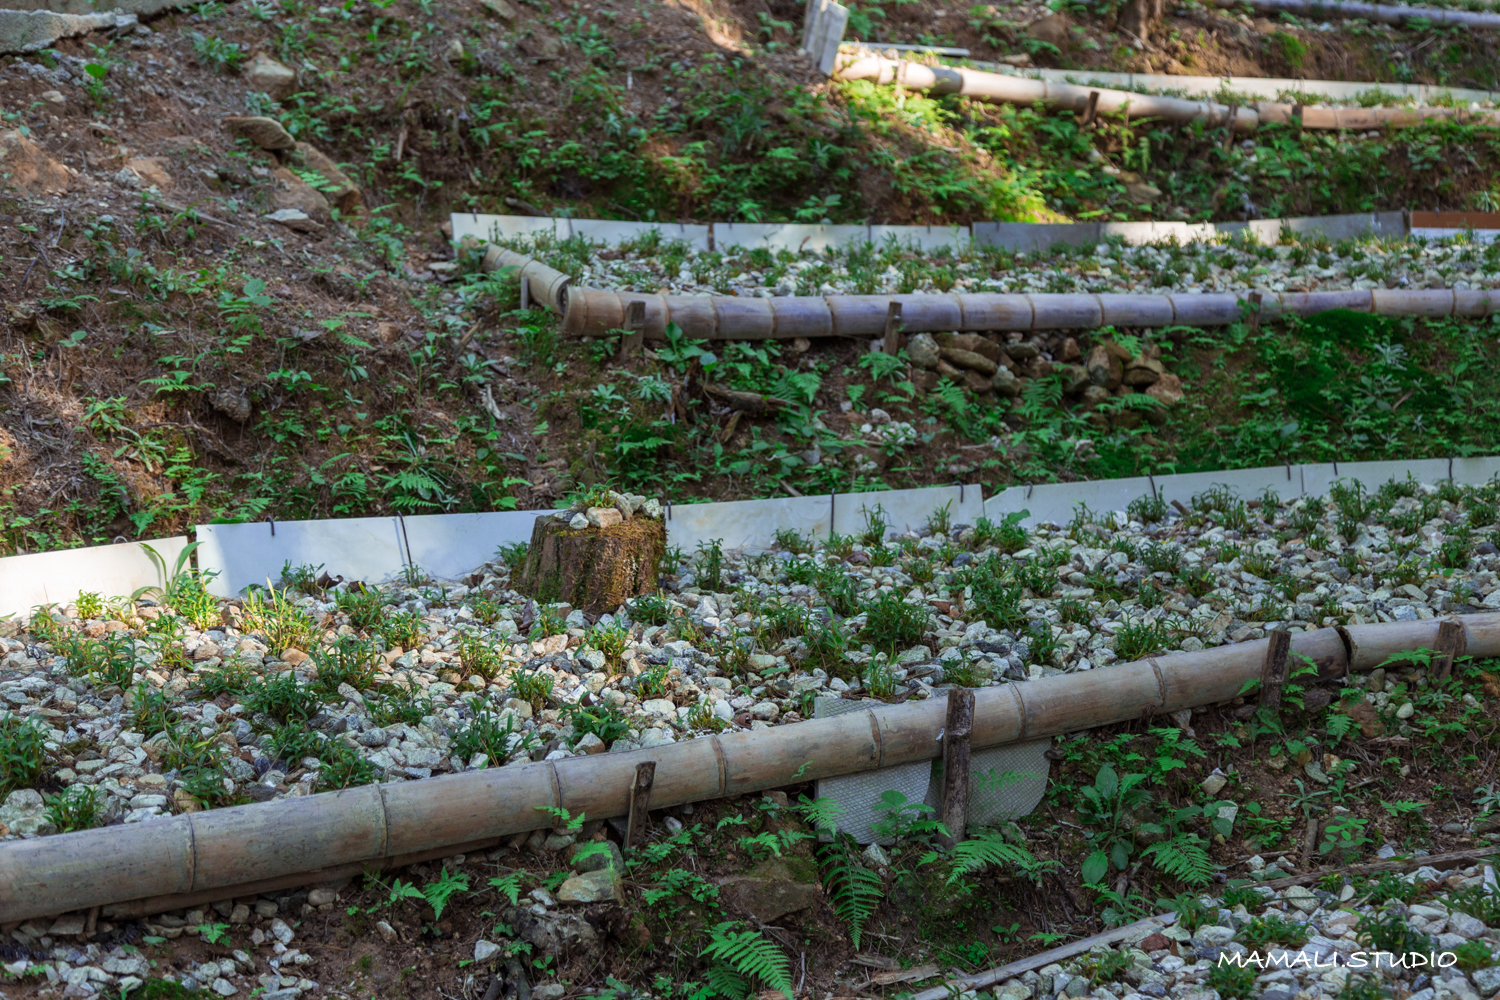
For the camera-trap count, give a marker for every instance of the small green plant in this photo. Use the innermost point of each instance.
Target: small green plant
(1392, 931)
(652, 682)
(232, 678)
(1233, 982)
(611, 640)
(1272, 928)
(1140, 638)
(892, 622)
(649, 609)
(711, 565)
(362, 605)
(343, 767)
(603, 721)
(216, 53)
(283, 698)
(531, 686)
(276, 616)
(347, 660)
(1473, 956)
(1147, 510)
(401, 628)
(89, 604)
(75, 808)
(442, 889)
(477, 656)
(401, 699)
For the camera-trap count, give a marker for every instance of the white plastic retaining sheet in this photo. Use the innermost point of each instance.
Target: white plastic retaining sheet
(754, 523)
(1030, 237)
(372, 549)
(1058, 502)
(57, 577)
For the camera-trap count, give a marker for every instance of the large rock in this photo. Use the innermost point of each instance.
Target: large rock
(1077, 378)
(922, 350)
(1143, 372)
(24, 813)
(267, 76)
(1005, 383)
(337, 188)
(602, 886)
(1167, 389)
(295, 193)
(266, 133)
(970, 342)
(1104, 368)
(152, 170)
(26, 168)
(553, 932)
(772, 889)
(1052, 29)
(960, 358)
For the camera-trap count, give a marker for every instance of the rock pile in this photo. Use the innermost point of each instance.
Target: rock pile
(1004, 364)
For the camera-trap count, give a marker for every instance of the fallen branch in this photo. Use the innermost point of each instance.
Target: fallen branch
(1396, 865)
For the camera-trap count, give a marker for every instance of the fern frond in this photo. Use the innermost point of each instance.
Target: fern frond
(509, 887)
(727, 983)
(853, 890)
(821, 813)
(989, 849)
(1183, 858)
(749, 954)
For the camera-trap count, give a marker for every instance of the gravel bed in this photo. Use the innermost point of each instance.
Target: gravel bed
(1300, 266)
(1301, 942)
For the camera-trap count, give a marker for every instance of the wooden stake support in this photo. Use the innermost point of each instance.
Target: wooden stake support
(893, 328)
(525, 293)
(640, 801)
(1254, 318)
(1273, 673)
(1450, 638)
(956, 730)
(1090, 110)
(635, 321)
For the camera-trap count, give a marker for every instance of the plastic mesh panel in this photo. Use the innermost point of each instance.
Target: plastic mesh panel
(1019, 781)
(858, 793)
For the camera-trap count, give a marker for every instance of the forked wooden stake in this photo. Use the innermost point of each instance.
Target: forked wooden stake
(640, 801)
(1273, 674)
(892, 328)
(635, 319)
(1449, 638)
(956, 730)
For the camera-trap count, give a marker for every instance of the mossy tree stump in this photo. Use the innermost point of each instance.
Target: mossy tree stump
(593, 568)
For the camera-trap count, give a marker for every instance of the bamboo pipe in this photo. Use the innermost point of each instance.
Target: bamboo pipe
(1382, 13)
(195, 858)
(592, 312)
(1366, 118)
(1027, 91)
(548, 285)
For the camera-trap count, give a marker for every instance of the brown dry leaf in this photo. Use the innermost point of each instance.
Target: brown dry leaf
(1491, 685)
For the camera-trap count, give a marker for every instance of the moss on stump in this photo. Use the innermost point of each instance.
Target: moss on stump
(595, 569)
